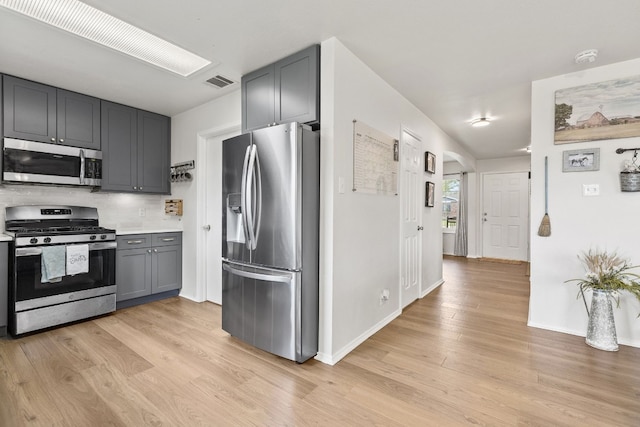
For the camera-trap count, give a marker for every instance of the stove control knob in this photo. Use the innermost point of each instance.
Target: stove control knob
(93, 237)
(47, 239)
(103, 237)
(33, 241)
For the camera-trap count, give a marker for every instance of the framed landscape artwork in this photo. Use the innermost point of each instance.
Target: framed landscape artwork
(605, 110)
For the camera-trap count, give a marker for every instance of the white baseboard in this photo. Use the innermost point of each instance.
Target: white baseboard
(581, 333)
(431, 288)
(332, 359)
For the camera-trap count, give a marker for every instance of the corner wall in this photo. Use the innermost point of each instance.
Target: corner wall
(578, 223)
(360, 233)
(185, 129)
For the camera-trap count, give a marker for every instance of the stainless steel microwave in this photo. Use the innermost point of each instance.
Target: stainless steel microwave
(37, 162)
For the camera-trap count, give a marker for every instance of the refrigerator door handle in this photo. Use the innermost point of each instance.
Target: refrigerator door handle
(282, 278)
(243, 197)
(258, 200)
(253, 197)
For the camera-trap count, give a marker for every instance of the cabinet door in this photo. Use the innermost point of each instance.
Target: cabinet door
(167, 268)
(119, 147)
(258, 98)
(78, 120)
(29, 110)
(297, 87)
(133, 273)
(153, 153)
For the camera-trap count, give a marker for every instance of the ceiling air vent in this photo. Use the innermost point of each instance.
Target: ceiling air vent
(220, 81)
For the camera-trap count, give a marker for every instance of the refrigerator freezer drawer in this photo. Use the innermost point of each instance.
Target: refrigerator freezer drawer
(264, 307)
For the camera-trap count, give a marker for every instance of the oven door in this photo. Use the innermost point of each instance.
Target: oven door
(27, 274)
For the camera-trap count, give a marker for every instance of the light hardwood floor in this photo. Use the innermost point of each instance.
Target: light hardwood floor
(462, 355)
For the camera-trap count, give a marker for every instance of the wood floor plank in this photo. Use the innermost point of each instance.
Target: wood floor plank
(463, 355)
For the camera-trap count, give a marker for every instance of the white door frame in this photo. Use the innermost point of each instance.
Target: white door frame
(420, 222)
(480, 245)
(201, 194)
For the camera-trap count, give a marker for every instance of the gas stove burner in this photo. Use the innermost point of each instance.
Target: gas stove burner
(48, 225)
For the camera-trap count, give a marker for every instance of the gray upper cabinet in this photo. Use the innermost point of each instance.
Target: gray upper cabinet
(42, 113)
(286, 91)
(78, 120)
(135, 150)
(153, 153)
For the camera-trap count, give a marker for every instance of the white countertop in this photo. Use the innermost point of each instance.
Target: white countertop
(147, 231)
(5, 238)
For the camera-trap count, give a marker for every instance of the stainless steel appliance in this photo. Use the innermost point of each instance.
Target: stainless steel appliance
(37, 162)
(270, 251)
(38, 302)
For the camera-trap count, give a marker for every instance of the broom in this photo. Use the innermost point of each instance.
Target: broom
(545, 225)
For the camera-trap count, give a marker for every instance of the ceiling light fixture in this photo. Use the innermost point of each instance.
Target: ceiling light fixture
(480, 122)
(586, 56)
(85, 21)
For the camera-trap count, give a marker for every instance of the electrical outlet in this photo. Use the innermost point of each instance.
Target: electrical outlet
(142, 212)
(384, 296)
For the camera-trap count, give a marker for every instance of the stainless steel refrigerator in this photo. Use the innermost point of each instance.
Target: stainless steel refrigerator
(270, 233)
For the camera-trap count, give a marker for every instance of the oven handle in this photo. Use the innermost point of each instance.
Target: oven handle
(98, 246)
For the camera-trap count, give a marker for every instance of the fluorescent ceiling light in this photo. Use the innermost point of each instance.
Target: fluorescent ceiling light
(85, 21)
(479, 122)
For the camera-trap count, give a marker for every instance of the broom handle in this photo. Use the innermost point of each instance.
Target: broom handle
(546, 185)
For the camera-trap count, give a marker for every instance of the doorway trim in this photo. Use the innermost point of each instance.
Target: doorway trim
(201, 194)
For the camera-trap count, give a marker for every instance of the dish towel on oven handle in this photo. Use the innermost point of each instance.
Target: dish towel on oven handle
(52, 264)
(77, 259)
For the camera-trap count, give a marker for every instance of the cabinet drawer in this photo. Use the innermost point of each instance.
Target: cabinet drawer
(165, 239)
(132, 241)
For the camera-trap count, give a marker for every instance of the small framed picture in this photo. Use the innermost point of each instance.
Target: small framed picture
(429, 198)
(429, 162)
(581, 160)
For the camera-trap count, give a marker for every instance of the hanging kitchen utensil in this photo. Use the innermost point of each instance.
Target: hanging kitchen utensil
(545, 225)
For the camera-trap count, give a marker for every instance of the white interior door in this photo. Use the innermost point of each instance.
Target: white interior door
(410, 246)
(505, 216)
(213, 217)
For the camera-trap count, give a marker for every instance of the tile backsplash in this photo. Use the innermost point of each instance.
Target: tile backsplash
(120, 211)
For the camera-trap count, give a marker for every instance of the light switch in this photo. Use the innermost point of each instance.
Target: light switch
(590, 190)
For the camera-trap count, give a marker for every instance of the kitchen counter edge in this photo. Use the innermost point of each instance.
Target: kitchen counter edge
(147, 231)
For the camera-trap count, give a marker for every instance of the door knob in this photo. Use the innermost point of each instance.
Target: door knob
(420, 228)
(206, 227)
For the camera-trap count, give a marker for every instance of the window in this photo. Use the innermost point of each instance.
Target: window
(450, 196)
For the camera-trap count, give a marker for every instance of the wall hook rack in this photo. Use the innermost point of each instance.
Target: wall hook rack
(180, 171)
(622, 150)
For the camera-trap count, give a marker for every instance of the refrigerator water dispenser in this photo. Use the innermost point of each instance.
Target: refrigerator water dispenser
(235, 230)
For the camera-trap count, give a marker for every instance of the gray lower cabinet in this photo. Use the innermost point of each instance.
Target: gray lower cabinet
(37, 112)
(4, 287)
(136, 149)
(283, 92)
(148, 267)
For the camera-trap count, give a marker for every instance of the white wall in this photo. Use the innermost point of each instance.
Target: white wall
(578, 223)
(186, 129)
(359, 232)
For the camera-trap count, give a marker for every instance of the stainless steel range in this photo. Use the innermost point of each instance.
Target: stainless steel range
(62, 266)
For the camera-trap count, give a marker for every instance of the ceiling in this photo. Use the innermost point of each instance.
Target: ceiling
(454, 60)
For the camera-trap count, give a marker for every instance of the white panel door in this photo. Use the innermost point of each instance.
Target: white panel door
(505, 216)
(410, 245)
(212, 227)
